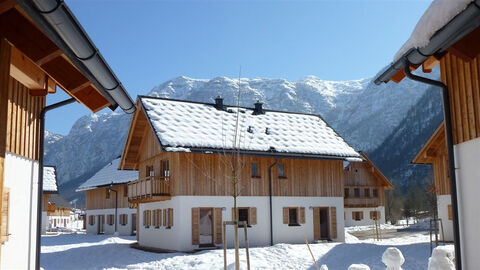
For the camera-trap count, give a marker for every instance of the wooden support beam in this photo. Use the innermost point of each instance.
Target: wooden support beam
(26, 71)
(50, 87)
(467, 48)
(6, 5)
(82, 86)
(429, 64)
(49, 57)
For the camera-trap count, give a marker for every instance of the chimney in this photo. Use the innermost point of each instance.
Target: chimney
(258, 108)
(219, 103)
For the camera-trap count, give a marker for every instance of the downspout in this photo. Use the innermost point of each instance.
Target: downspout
(40, 174)
(450, 153)
(270, 198)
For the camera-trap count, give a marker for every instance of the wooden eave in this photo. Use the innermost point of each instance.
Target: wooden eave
(135, 137)
(43, 64)
(379, 175)
(435, 144)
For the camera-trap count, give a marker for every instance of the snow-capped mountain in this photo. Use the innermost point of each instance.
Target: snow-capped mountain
(363, 113)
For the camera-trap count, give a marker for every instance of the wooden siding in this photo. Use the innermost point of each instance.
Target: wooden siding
(462, 78)
(96, 198)
(434, 152)
(23, 124)
(361, 175)
(208, 174)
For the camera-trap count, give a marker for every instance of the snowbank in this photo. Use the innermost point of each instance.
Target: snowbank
(358, 267)
(443, 258)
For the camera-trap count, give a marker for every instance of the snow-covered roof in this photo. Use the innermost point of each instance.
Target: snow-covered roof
(191, 126)
(49, 180)
(110, 174)
(59, 201)
(438, 14)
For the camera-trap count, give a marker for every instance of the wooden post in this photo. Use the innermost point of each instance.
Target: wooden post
(311, 253)
(224, 246)
(246, 244)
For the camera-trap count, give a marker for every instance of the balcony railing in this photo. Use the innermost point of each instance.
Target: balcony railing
(148, 187)
(362, 201)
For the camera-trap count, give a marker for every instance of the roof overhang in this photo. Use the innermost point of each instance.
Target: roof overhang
(456, 29)
(101, 186)
(56, 51)
(428, 151)
(386, 183)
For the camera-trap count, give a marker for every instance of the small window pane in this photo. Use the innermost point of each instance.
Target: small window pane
(243, 214)
(254, 169)
(367, 192)
(375, 193)
(347, 192)
(292, 216)
(281, 170)
(356, 192)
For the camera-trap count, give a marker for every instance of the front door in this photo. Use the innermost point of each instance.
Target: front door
(134, 224)
(206, 226)
(324, 224)
(101, 223)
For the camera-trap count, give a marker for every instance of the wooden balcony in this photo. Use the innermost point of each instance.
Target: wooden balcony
(51, 208)
(361, 202)
(149, 189)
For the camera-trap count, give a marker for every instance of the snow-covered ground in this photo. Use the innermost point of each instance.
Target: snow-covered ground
(82, 251)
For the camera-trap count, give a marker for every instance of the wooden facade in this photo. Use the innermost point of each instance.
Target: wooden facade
(434, 152)
(97, 198)
(461, 75)
(364, 185)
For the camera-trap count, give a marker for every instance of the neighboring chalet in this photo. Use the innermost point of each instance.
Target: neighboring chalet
(184, 153)
(50, 187)
(106, 192)
(448, 35)
(59, 212)
(364, 193)
(42, 49)
(434, 152)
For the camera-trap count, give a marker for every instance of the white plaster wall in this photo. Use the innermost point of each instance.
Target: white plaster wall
(442, 207)
(467, 160)
(44, 222)
(110, 229)
(21, 177)
(366, 216)
(179, 236)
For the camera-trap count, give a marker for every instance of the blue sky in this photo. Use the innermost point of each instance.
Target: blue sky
(149, 42)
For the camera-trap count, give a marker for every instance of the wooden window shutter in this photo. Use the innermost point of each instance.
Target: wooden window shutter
(165, 217)
(361, 215)
(253, 216)
(144, 218)
(302, 215)
(218, 225)
(195, 226)
(450, 213)
(353, 215)
(333, 218)
(379, 215)
(170, 217)
(316, 223)
(159, 215)
(372, 214)
(285, 215)
(5, 214)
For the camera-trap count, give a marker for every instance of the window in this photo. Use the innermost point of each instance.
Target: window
(147, 217)
(347, 192)
(375, 193)
(157, 218)
(281, 171)
(110, 219)
(165, 166)
(125, 191)
(374, 215)
(91, 220)
(356, 192)
(107, 193)
(357, 215)
(243, 215)
(255, 170)
(123, 219)
(292, 217)
(367, 192)
(149, 171)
